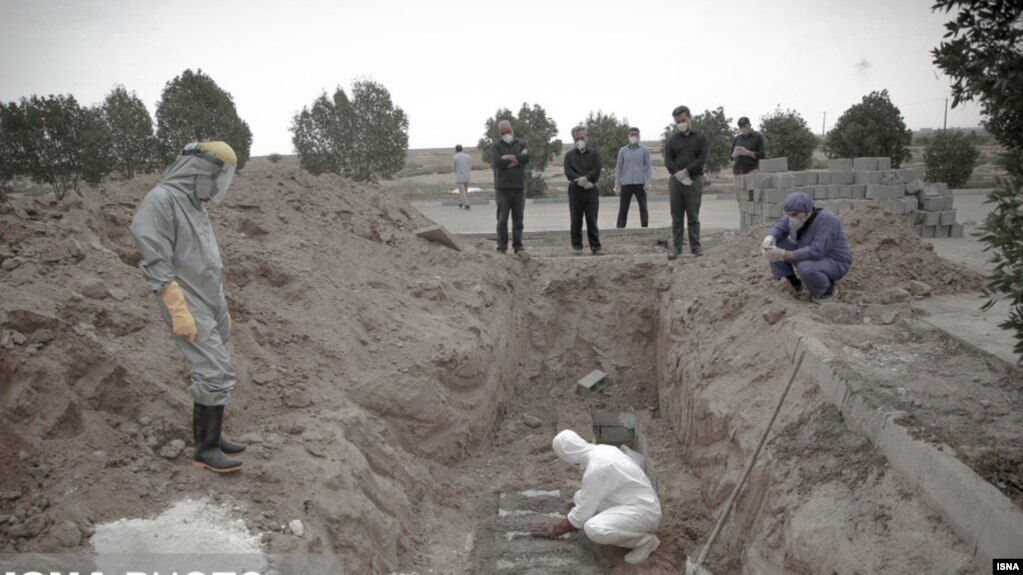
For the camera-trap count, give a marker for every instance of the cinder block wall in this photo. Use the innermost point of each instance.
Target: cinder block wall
(847, 184)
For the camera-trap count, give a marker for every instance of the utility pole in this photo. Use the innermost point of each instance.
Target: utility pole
(944, 124)
(824, 123)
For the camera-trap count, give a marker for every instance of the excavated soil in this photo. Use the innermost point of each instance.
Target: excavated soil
(388, 383)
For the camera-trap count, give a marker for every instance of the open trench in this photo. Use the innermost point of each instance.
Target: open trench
(688, 358)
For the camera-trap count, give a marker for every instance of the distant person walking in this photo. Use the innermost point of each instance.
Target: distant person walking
(633, 176)
(462, 164)
(684, 156)
(747, 151)
(508, 156)
(582, 168)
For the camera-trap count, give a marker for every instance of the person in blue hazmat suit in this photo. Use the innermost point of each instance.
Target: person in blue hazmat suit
(808, 247)
(615, 504)
(182, 266)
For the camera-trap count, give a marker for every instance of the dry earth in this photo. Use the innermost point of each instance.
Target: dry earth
(387, 383)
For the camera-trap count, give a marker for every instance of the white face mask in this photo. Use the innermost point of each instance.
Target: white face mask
(795, 223)
(580, 145)
(633, 140)
(508, 138)
(683, 127)
(744, 131)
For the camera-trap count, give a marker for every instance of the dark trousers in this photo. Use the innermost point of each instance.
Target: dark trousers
(629, 190)
(685, 209)
(511, 200)
(584, 203)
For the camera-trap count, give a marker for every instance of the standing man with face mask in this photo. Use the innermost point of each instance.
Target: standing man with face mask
(182, 266)
(582, 168)
(508, 156)
(808, 242)
(684, 156)
(747, 151)
(633, 176)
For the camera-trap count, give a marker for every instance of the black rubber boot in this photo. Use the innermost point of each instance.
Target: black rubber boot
(797, 284)
(206, 423)
(228, 446)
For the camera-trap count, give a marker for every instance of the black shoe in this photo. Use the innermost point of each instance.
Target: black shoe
(797, 284)
(672, 254)
(829, 295)
(206, 424)
(598, 252)
(698, 252)
(519, 250)
(467, 207)
(500, 251)
(577, 251)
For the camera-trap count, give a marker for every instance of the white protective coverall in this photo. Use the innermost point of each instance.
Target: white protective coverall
(172, 231)
(616, 504)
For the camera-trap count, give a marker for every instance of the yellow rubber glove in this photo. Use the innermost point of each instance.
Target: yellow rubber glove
(230, 322)
(181, 319)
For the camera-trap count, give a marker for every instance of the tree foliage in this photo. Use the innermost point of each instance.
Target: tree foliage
(786, 134)
(872, 128)
(606, 134)
(540, 132)
(133, 146)
(9, 154)
(193, 108)
(364, 138)
(950, 158)
(717, 128)
(982, 55)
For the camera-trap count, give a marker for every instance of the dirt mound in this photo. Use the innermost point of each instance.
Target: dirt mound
(360, 348)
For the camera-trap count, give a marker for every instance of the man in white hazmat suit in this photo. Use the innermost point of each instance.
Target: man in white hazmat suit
(615, 505)
(181, 263)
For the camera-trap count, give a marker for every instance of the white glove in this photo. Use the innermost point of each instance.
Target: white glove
(646, 187)
(768, 243)
(682, 177)
(775, 254)
(618, 190)
(582, 182)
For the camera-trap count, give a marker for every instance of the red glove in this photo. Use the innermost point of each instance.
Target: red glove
(553, 530)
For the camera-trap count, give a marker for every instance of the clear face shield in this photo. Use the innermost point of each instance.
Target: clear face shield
(222, 179)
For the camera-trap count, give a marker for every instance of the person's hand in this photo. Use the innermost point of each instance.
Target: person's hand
(182, 321)
(681, 176)
(508, 157)
(589, 186)
(768, 243)
(646, 187)
(582, 182)
(775, 254)
(525, 151)
(552, 529)
(618, 190)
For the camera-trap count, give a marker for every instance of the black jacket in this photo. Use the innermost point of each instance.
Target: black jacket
(506, 175)
(578, 164)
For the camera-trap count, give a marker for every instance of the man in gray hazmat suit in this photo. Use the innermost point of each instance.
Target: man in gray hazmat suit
(181, 263)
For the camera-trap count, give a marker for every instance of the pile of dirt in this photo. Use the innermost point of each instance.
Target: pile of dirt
(363, 351)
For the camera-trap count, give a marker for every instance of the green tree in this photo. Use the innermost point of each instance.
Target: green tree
(321, 134)
(982, 56)
(717, 128)
(193, 108)
(50, 143)
(540, 132)
(10, 161)
(96, 145)
(872, 128)
(786, 134)
(606, 134)
(364, 138)
(950, 158)
(133, 145)
(380, 140)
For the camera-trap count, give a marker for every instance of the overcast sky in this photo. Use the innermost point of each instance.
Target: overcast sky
(452, 65)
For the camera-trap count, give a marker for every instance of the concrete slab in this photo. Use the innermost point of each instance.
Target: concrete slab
(440, 235)
(961, 318)
(505, 546)
(592, 383)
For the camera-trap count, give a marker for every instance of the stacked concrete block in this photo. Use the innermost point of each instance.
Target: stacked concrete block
(849, 183)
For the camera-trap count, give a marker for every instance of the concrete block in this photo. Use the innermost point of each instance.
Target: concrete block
(913, 187)
(440, 235)
(864, 164)
(820, 192)
(845, 192)
(773, 210)
(810, 178)
(895, 206)
(948, 217)
(760, 180)
(595, 381)
(834, 191)
(911, 175)
(758, 195)
(840, 164)
(939, 188)
(774, 196)
(867, 177)
(772, 165)
(800, 178)
(942, 231)
(859, 191)
(956, 231)
(824, 178)
(931, 218)
(933, 203)
(918, 230)
(884, 163)
(784, 181)
(879, 192)
(929, 231)
(843, 178)
(949, 201)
